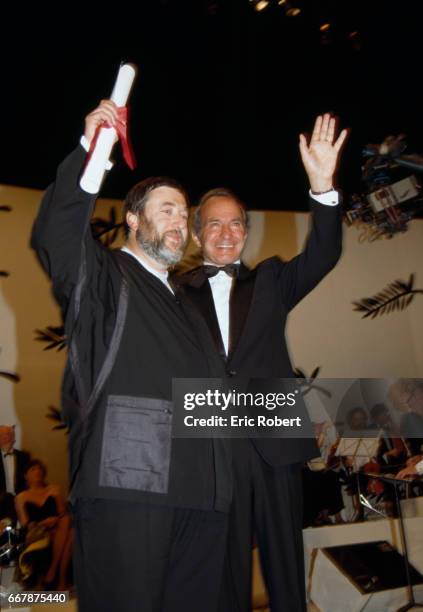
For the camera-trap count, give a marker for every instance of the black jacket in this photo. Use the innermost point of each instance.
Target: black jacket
(21, 461)
(128, 336)
(259, 305)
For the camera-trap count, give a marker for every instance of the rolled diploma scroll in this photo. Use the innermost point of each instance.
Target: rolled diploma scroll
(94, 171)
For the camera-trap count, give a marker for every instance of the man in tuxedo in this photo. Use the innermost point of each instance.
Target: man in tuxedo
(246, 311)
(12, 469)
(150, 512)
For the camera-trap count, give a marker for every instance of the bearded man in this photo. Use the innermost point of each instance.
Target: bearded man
(150, 512)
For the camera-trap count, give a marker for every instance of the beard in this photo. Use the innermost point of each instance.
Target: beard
(155, 246)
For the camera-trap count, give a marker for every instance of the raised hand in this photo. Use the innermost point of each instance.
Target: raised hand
(106, 111)
(320, 157)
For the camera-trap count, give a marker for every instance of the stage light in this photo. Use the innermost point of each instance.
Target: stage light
(293, 11)
(259, 5)
(355, 40)
(290, 11)
(326, 34)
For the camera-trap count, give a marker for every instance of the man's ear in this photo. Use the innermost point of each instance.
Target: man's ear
(196, 239)
(133, 221)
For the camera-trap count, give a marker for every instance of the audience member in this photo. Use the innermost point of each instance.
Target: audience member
(392, 450)
(13, 463)
(406, 395)
(41, 508)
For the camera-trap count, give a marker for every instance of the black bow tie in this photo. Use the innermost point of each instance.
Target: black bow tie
(9, 453)
(230, 269)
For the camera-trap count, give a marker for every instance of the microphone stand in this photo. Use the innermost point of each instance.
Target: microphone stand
(396, 484)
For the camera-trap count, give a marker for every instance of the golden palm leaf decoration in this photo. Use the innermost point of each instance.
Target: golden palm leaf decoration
(106, 229)
(10, 376)
(54, 414)
(307, 382)
(396, 296)
(54, 337)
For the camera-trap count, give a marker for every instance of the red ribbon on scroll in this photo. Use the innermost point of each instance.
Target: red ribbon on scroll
(121, 128)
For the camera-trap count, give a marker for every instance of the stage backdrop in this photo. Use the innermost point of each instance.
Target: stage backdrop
(323, 330)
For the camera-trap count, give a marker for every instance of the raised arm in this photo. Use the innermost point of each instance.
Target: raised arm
(324, 243)
(61, 235)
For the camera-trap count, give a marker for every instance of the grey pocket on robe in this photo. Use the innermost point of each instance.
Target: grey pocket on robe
(136, 444)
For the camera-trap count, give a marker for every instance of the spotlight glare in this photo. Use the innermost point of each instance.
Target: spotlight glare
(293, 12)
(324, 27)
(261, 5)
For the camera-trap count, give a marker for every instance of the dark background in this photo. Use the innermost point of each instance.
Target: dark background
(222, 90)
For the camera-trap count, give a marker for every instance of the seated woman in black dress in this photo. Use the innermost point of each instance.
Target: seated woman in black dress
(43, 506)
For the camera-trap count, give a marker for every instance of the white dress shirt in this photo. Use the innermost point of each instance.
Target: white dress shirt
(330, 198)
(221, 285)
(9, 471)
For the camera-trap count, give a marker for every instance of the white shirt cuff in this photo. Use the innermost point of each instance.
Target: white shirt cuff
(330, 198)
(84, 142)
(419, 467)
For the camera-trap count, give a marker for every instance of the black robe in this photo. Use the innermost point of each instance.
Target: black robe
(128, 336)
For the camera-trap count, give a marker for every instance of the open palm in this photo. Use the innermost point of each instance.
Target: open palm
(320, 156)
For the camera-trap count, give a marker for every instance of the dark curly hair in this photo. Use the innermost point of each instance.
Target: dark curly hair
(36, 462)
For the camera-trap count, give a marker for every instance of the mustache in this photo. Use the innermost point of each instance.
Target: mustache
(175, 232)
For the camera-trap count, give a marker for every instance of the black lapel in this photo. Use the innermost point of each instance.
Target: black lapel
(203, 333)
(198, 290)
(241, 296)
